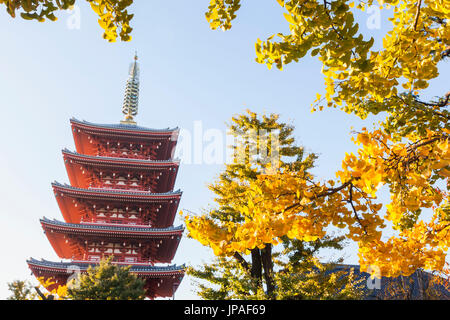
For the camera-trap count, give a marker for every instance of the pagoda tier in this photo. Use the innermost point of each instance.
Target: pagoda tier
(120, 173)
(115, 206)
(92, 242)
(159, 281)
(124, 140)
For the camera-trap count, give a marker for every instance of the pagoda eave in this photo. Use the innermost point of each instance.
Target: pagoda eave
(86, 171)
(168, 278)
(75, 203)
(119, 230)
(69, 240)
(83, 132)
(121, 162)
(94, 193)
(124, 129)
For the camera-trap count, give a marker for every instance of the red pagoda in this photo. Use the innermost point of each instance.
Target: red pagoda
(120, 201)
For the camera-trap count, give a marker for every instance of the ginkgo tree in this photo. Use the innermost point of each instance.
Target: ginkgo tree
(113, 15)
(256, 258)
(287, 201)
(406, 153)
(358, 78)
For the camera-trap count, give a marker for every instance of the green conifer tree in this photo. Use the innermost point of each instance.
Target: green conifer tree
(106, 281)
(268, 272)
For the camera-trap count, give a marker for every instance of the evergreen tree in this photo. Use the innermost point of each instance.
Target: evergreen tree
(21, 290)
(265, 145)
(106, 281)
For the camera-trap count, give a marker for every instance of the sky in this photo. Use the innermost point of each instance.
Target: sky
(191, 77)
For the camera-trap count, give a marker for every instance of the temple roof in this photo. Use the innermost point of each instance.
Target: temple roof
(93, 227)
(68, 239)
(161, 281)
(69, 197)
(131, 161)
(135, 268)
(118, 193)
(122, 127)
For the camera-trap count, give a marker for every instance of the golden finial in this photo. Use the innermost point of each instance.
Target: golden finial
(131, 98)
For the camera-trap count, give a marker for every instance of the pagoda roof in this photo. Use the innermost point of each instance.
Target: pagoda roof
(160, 281)
(128, 162)
(66, 238)
(94, 228)
(138, 268)
(122, 128)
(115, 193)
(66, 196)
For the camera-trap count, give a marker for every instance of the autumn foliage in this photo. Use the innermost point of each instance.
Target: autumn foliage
(105, 281)
(263, 248)
(407, 153)
(113, 16)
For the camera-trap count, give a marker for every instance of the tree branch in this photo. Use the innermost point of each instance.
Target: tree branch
(350, 200)
(256, 268)
(266, 257)
(416, 20)
(43, 297)
(242, 261)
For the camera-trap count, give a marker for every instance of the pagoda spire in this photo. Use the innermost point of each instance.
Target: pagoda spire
(131, 97)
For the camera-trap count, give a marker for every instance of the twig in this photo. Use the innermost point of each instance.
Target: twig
(419, 3)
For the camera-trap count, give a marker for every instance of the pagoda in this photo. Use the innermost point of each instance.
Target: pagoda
(120, 201)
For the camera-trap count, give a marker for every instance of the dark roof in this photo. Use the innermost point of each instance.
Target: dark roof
(129, 127)
(109, 227)
(137, 161)
(116, 191)
(84, 266)
(416, 283)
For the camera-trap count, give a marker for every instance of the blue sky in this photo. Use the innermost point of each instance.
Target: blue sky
(50, 73)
